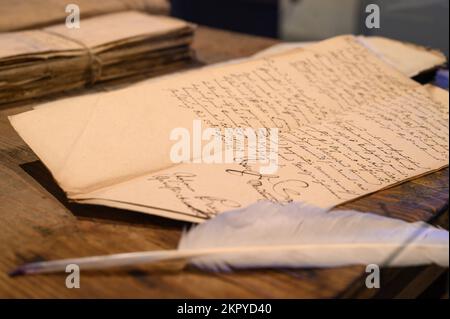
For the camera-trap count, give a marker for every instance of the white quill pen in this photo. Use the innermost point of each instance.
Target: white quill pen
(297, 235)
(293, 235)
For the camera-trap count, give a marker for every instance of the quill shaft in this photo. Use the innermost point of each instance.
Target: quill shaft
(148, 257)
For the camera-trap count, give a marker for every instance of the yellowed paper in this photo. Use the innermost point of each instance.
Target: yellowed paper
(349, 125)
(407, 58)
(134, 24)
(16, 44)
(39, 13)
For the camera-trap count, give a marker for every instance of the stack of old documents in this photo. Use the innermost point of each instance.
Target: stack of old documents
(34, 63)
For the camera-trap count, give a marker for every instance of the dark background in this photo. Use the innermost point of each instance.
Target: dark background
(423, 22)
(258, 17)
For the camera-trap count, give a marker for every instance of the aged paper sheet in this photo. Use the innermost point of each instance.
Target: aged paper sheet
(39, 13)
(349, 125)
(407, 58)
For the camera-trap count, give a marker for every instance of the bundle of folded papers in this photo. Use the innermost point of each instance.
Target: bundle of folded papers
(55, 59)
(39, 13)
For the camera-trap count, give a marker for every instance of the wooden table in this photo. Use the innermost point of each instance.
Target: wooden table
(36, 223)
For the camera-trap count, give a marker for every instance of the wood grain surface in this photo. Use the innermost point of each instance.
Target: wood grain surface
(37, 223)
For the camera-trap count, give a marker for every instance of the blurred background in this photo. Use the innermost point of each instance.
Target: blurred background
(423, 22)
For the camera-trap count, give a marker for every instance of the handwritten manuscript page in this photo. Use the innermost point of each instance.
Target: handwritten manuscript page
(349, 125)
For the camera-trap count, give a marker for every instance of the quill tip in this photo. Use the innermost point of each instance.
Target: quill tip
(19, 271)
